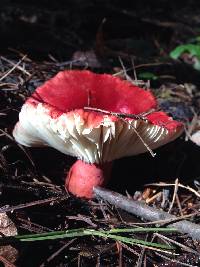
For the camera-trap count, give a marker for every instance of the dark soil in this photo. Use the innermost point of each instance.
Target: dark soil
(58, 35)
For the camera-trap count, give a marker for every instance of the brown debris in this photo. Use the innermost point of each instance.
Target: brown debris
(8, 254)
(35, 196)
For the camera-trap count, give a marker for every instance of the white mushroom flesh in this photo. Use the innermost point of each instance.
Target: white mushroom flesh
(70, 134)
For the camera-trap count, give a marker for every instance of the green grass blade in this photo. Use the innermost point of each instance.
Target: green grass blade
(141, 230)
(90, 232)
(53, 237)
(129, 240)
(46, 236)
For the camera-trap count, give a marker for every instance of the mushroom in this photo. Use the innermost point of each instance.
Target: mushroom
(95, 117)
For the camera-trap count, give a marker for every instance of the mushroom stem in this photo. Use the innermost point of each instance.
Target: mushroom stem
(82, 177)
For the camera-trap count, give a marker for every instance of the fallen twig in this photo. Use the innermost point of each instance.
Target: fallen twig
(148, 213)
(187, 187)
(56, 253)
(30, 204)
(20, 146)
(174, 260)
(14, 67)
(141, 116)
(174, 195)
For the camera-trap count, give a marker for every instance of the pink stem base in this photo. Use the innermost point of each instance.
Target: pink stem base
(82, 177)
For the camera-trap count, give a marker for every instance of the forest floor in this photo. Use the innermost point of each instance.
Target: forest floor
(134, 41)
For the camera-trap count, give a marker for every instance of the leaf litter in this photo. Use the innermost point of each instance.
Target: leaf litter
(32, 192)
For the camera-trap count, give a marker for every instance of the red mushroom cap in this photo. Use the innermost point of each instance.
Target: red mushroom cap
(54, 115)
(70, 90)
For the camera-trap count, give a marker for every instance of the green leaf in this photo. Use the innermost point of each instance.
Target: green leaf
(192, 49)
